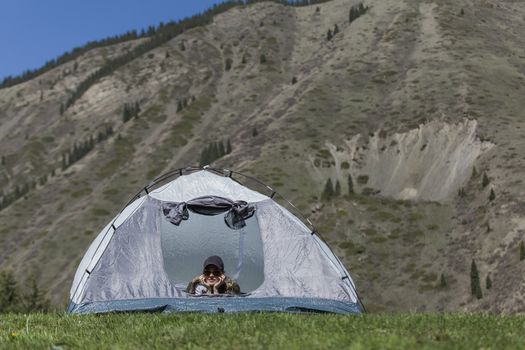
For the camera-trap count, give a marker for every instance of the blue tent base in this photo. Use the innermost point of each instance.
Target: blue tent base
(218, 305)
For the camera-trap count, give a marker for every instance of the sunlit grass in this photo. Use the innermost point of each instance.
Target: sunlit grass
(261, 331)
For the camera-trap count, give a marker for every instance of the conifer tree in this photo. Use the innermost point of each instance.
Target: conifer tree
(522, 251)
(337, 191)
(328, 191)
(475, 287)
(254, 132)
(262, 59)
(137, 109)
(353, 14)
(126, 113)
(442, 281)
(336, 29)
(64, 161)
(9, 293)
(220, 146)
(350, 185)
(228, 64)
(356, 11)
(485, 181)
(329, 35)
(214, 152)
(35, 300)
(474, 172)
(488, 282)
(492, 195)
(204, 156)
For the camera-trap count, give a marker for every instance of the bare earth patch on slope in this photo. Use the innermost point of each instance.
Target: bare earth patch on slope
(429, 163)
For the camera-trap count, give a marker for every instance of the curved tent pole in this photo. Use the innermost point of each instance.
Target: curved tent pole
(226, 172)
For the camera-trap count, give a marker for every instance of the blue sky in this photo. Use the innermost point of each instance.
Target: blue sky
(35, 31)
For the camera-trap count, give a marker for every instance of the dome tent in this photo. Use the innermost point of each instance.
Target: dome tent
(144, 258)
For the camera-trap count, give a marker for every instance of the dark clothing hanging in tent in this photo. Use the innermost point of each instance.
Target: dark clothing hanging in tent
(236, 211)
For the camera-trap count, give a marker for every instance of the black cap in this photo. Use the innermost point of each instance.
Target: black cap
(214, 260)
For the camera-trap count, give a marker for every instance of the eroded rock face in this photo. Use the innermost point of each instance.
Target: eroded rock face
(428, 163)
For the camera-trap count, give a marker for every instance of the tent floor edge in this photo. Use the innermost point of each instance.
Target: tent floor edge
(216, 304)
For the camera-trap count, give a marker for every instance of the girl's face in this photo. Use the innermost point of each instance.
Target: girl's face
(212, 274)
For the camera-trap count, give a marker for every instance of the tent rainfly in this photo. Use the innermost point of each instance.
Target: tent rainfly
(145, 257)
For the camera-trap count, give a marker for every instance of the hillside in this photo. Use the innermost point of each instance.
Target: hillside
(417, 101)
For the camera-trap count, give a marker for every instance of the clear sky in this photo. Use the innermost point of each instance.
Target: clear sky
(35, 31)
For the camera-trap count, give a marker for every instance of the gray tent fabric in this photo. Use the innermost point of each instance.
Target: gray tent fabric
(132, 266)
(125, 269)
(237, 211)
(293, 264)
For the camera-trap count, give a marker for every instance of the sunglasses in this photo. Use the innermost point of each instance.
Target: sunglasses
(212, 272)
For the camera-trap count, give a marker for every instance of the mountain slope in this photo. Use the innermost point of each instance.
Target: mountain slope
(403, 68)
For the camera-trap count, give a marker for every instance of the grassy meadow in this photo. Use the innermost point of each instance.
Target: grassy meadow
(261, 331)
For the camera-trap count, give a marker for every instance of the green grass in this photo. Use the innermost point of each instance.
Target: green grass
(261, 331)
